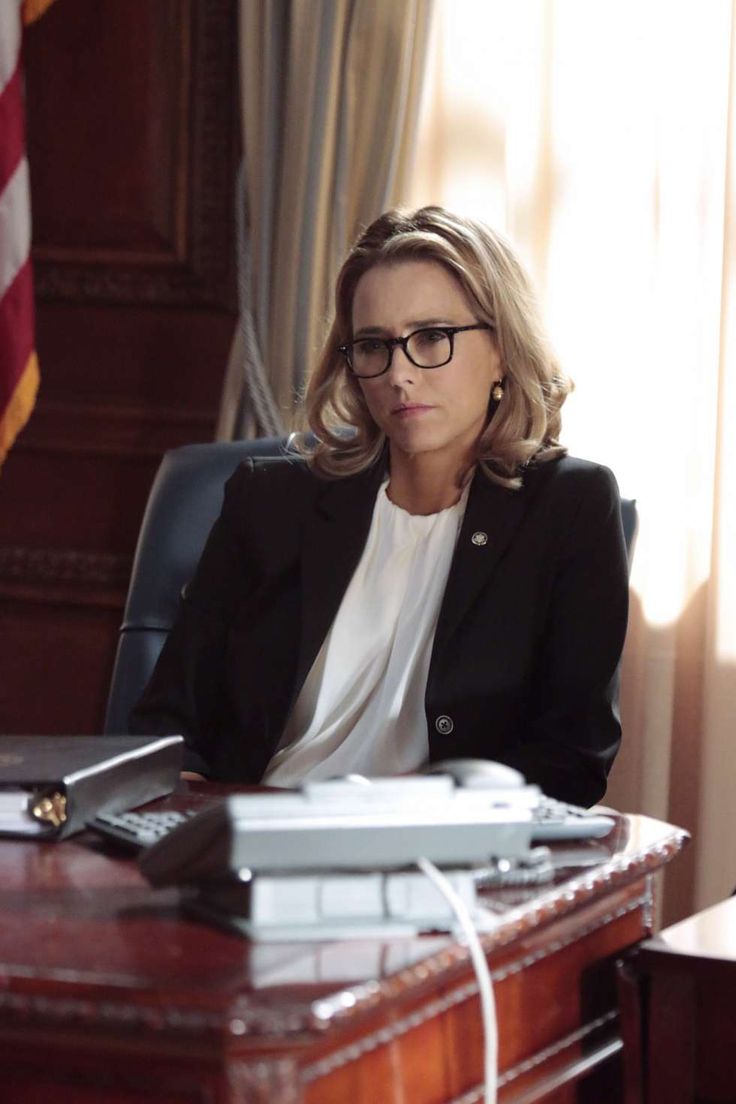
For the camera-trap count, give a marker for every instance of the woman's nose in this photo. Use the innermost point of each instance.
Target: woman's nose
(401, 368)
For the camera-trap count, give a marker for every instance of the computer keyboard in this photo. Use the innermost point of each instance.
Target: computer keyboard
(553, 820)
(138, 830)
(558, 820)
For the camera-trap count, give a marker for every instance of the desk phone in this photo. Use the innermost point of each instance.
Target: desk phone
(354, 823)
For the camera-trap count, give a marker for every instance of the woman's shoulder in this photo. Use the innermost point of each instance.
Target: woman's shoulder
(285, 468)
(286, 478)
(581, 507)
(572, 474)
(272, 478)
(574, 494)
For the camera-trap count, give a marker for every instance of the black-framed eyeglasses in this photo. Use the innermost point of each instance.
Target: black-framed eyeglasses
(430, 347)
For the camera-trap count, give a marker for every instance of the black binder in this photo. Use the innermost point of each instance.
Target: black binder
(50, 786)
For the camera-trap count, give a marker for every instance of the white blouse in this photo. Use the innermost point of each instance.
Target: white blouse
(361, 708)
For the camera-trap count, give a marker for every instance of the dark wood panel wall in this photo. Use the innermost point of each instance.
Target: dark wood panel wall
(133, 144)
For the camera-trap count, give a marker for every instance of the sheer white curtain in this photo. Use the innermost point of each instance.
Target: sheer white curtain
(329, 97)
(600, 137)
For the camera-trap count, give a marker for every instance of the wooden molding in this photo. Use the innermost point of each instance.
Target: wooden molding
(63, 565)
(107, 429)
(192, 264)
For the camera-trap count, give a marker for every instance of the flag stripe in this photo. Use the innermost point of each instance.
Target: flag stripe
(21, 404)
(10, 33)
(16, 331)
(19, 376)
(12, 145)
(15, 226)
(33, 9)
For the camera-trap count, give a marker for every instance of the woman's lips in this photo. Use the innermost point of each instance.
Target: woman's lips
(410, 410)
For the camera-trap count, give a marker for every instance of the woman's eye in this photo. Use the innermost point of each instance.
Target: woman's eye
(429, 337)
(368, 347)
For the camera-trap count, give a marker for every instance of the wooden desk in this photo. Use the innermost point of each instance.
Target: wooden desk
(108, 996)
(689, 971)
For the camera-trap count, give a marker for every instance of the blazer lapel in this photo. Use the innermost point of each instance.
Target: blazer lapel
(335, 535)
(334, 538)
(492, 516)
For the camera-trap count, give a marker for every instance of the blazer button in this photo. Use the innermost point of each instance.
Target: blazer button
(444, 725)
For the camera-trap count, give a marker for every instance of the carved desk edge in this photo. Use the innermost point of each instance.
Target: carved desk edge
(247, 1017)
(559, 901)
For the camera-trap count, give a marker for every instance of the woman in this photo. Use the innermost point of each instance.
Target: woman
(443, 582)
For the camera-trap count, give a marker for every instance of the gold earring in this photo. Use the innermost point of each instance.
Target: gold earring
(497, 391)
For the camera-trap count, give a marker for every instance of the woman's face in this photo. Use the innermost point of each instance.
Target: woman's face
(438, 410)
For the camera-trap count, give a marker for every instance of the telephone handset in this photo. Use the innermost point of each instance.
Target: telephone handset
(458, 812)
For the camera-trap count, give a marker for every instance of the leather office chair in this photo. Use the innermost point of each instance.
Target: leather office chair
(184, 502)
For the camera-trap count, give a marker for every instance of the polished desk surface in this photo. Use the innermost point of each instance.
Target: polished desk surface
(689, 971)
(709, 935)
(108, 994)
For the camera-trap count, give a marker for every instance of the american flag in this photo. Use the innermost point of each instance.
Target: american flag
(18, 363)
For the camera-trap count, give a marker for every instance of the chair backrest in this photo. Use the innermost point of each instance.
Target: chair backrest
(630, 523)
(184, 502)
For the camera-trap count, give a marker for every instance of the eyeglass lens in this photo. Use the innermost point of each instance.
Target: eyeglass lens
(425, 348)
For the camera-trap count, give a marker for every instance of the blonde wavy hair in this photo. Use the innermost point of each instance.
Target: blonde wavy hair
(523, 426)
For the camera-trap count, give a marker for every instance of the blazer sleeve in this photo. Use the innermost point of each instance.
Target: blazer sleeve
(572, 730)
(187, 693)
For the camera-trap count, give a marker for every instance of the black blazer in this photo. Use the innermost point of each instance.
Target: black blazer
(526, 651)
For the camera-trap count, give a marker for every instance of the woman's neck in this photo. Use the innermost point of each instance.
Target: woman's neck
(424, 483)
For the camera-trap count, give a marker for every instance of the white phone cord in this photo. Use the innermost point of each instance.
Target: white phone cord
(482, 973)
